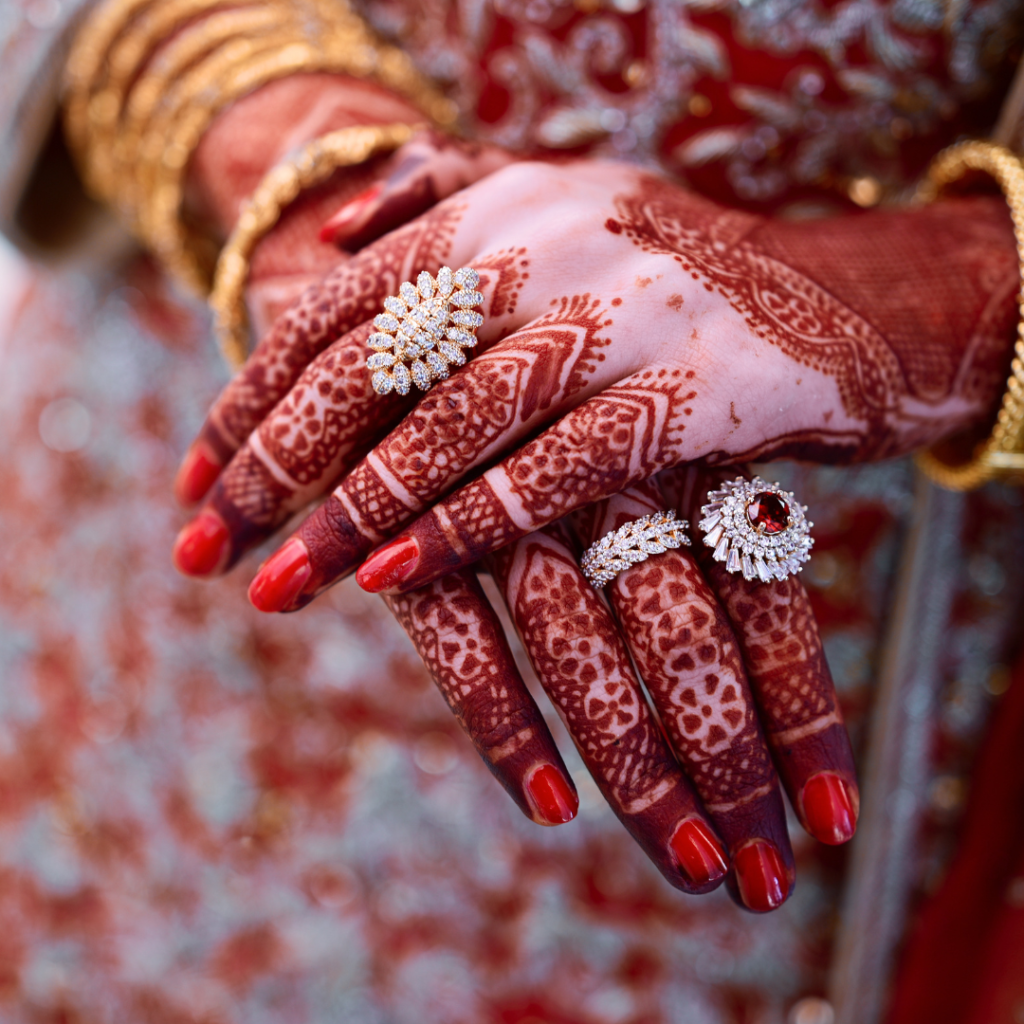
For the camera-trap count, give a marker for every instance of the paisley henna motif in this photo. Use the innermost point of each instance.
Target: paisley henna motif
(863, 300)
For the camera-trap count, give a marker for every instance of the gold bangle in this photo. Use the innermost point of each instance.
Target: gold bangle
(1001, 455)
(313, 165)
(113, 146)
(134, 119)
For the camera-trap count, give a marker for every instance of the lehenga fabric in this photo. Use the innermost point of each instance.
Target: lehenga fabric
(211, 815)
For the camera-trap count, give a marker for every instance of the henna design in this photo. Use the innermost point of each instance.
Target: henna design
(580, 659)
(328, 421)
(504, 393)
(460, 640)
(778, 637)
(349, 295)
(326, 413)
(863, 300)
(622, 436)
(687, 654)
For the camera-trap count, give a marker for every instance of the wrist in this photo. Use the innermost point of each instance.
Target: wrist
(257, 132)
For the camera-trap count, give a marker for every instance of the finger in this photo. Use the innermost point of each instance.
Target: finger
(332, 417)
(428, 168)
(620, 437)
(790, 678)
(460, 640)
(501, 396)
(579, 657)
(688, 657)
(348, 296)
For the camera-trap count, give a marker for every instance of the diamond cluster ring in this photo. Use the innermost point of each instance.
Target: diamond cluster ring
(630, 544)
(424, 329)
(756, 528)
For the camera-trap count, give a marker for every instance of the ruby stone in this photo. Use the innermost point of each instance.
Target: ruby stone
(768, 513)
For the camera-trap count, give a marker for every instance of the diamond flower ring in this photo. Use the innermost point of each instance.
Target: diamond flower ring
(756, 528)
(424, 330)
(630, 544)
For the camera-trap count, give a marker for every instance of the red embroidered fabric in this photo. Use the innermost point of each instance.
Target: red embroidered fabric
(763, 103)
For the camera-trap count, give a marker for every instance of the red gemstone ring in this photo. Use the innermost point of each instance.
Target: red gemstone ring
(756, 528)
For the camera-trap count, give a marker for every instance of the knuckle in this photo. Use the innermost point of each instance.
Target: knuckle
(492, 722)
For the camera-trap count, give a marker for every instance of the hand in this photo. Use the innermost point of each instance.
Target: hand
(735, 670)
(630, 326)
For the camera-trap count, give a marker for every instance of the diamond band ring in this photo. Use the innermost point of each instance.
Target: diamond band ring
(424, 329)
(756, 528)
(631, 544)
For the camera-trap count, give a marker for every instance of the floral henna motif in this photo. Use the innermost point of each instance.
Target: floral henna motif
(579, 657)
(460, 640)
(863, 301)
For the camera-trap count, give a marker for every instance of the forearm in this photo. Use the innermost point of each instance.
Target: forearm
(256, 132)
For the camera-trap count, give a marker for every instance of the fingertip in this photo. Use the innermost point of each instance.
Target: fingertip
(828, 809)
(761, 876)
(281, 577)
(197, 474)
(552, 796)
(351, 216)
(700, 856)
(388, 566)
(201, 547)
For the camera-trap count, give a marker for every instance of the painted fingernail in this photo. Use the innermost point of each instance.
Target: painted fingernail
(389, 566)
(700, 856)
(828, 810)
(352, 212)
(761, 876)
(196, 476)
(281, 578)
(552, 796)
(201, 545)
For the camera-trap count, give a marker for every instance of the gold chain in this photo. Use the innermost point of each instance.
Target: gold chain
(1001, 455)
(312, 166)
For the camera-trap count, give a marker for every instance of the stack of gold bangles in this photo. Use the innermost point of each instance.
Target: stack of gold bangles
(1001, 455)
(146, 78)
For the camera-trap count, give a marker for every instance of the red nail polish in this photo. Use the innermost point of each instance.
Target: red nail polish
(699, 854)
(281, 578)
(827, 809)
(553, 797)
(761, 876)
(390, 565)
(196, 476)
(201, 545)
(350, 212)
